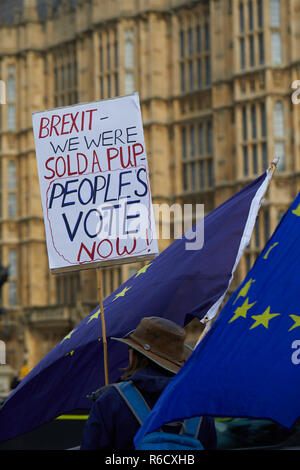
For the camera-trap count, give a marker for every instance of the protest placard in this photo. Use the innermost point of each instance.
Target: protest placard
(94, 183)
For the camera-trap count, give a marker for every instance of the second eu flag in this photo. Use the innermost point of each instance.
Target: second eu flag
(248, 364)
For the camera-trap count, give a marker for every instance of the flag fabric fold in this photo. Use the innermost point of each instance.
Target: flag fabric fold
(178, 285)
(248, 363)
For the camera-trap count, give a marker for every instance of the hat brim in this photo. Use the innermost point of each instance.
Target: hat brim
(162, 362)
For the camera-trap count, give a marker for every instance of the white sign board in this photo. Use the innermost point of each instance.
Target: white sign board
(94, 184)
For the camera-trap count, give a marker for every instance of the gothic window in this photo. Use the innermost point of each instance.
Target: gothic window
(279, 135)
(13, 273)
(275, 13)
(197, 156)
(112, 279)
(65, 76)
(253, 139)
(276, 48)
(251, 34)
(11, 98)
(11, 187)
(275, 24)
(194, 59)
(129, 61)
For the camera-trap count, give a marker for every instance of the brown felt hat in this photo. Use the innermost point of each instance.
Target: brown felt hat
(161, 340)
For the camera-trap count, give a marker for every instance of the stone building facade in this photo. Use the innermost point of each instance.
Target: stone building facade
(214, 79)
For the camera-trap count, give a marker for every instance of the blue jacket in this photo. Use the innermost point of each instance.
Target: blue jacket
(112, 426)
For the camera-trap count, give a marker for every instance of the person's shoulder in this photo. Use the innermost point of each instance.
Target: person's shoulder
(105, 393)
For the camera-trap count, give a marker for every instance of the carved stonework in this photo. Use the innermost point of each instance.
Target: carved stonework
(278, 78)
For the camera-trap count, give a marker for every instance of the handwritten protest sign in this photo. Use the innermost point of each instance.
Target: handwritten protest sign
(94, 184)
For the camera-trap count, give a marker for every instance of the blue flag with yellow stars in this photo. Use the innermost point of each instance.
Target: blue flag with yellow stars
(248, 364)
(179, 284)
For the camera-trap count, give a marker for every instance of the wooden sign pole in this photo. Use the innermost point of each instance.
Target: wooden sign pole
(100, 294)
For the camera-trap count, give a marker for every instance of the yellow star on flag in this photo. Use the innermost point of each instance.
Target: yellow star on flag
(269, 250)
(296, 319)
(94, 316)
(122, 293)
(242, 311)
(68, 336)
(244, 291)
(70, 353)
(297, 211)
(263, 319)
(143, 269)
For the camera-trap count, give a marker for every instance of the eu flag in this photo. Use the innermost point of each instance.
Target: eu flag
(178, 285)
(248, 364)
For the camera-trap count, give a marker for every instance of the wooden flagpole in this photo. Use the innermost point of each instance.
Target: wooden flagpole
(100, 294)
(208, 323)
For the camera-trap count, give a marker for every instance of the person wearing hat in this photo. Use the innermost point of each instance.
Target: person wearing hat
(157, 350)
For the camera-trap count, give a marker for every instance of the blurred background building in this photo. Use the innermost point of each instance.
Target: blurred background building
(214, 79)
